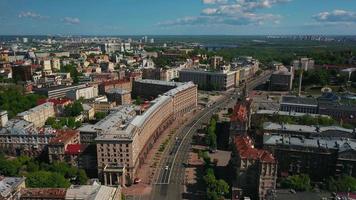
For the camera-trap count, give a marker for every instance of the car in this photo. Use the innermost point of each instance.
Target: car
(166, 168)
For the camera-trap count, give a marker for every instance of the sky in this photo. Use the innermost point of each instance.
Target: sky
(177, 17)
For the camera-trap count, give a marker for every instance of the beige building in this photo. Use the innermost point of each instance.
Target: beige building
(46, 64)
(103, 106)
(125, 136)
(56, 64)
(39, 114)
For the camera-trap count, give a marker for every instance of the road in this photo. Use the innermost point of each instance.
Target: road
(170, 180)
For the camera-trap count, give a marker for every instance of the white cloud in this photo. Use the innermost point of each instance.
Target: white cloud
(71, 20)
(214, 1)
(30, 14)
(232, 12)
(336, 16)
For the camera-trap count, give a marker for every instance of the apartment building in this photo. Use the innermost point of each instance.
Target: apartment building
(121, 84)
(210, 80)
(85, 92)
(301, 155)
(57, 91)
(39, 114)
(126, 135)
(20, 137)
(57, 147)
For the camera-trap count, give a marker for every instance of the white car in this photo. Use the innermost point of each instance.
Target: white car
(166, 168)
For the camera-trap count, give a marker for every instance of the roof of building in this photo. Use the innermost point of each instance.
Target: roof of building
(322, 143)
(159, 82)
(74, 149)
(9, 184)
(54, 193)
(55, 101)
(91, 192)
(299, 100)
(123, 121)
(38, 108)
(246, 150)
(285, 113)
(23, 127)
(117, 91)
(59, 87)
(303, 128)
(239, 112)
(64, 136)
(180, 88)
(113, 82)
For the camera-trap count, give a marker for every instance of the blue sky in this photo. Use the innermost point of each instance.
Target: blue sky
(177, 17)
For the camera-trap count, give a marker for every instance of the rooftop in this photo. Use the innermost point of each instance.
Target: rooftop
(246, 150)
(322, 143)
(299, 100)
(303, 128)
(74, 149)
(41, 107)
(159, 82)
(91, 192)
(117, 91)
(23, 127)
(64, 136)
(8, 184)
(50, 193)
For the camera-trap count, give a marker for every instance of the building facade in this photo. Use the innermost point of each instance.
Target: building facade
(39, 114)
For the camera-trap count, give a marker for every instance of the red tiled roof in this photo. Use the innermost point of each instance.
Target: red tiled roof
(59, 101)
(246, 150)
(74, 149)
(112, 82)
(239, 113)
(57, 193)
(64, 136)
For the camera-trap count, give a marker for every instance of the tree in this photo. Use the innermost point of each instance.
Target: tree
(72, 69)
(82, 178)
(138, 100)
(342, 184)
(297, 182)
(74, 109)
(44, 179)
(99, 115)
(222, 188)
(8, 168)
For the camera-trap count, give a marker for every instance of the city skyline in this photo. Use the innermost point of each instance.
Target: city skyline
(183, 17)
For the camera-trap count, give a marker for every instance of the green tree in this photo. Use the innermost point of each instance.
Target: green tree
(44, 179)
(99, 115)
(342, 184)
(297, 182)
(74, 109)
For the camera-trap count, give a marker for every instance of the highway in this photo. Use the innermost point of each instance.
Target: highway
(169, 184)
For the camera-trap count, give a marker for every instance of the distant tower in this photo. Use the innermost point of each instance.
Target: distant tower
(3, 118)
